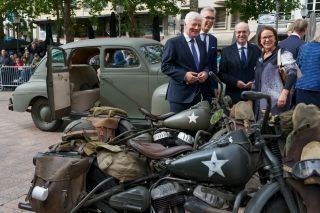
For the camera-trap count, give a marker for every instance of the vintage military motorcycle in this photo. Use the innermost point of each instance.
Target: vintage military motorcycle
(211, 178)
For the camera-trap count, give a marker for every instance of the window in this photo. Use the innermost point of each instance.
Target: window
(221, 16)
(314, 5)
(121, 58)
(58, 58)
(153, 53)
(235, 19)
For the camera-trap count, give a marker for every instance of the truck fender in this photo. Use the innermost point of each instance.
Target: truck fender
(261, 197)
(159, 104)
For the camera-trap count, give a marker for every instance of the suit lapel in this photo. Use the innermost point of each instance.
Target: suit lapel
(187, 51)
(249, 54)
(235, 54)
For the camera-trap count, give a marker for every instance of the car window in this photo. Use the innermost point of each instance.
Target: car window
(119, 58)
(153, 53)
(58, 59)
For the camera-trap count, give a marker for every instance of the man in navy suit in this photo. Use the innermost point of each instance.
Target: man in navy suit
(295, 40)
(238, 62)
(210, 41)
(185, 62)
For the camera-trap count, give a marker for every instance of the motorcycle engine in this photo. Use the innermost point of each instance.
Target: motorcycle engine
(168, 138)
(167, 195)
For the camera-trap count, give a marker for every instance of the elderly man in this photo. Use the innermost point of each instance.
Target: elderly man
(238, 62)
(184, 61)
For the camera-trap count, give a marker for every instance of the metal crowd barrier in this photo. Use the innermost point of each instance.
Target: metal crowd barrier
(12, 76)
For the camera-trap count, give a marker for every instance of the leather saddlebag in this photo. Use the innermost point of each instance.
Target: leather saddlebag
(64, 178)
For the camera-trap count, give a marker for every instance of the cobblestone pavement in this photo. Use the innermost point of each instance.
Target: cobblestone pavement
(19, 141)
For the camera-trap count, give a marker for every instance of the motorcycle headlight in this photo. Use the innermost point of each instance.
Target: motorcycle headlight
(306, 168)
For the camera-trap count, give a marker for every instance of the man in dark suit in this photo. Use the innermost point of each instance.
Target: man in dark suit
(238, 62)
(184, 61)
(210, 41)
(295, 40)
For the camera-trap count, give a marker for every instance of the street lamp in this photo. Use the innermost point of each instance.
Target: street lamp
(119, 9)
(304, 11)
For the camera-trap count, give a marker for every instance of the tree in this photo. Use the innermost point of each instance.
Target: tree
(194, 6)
(131, 7)
(250, 9)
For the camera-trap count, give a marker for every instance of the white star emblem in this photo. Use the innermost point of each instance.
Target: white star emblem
(215, 165)
(193, 118)
(230, 139)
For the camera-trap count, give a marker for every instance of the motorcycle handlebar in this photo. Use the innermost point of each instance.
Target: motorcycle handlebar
(252, 95)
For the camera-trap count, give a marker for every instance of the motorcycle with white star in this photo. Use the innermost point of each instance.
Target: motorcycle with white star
(193, 126)
(210, 179)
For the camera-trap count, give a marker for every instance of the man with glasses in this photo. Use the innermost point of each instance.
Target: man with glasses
(238, 62)
(210, 42)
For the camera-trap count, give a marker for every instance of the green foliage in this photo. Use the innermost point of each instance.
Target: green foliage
(250, 9)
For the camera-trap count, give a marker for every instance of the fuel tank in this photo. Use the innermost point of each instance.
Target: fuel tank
(227, 162)
(193, 119)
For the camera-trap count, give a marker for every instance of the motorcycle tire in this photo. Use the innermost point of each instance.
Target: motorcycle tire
(276, 202)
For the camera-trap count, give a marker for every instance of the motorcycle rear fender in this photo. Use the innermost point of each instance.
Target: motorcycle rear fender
(260, 198)
(159, 104)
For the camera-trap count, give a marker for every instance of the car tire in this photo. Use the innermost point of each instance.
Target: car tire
(38, 121)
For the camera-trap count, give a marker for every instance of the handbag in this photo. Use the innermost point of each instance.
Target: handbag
(282, 70)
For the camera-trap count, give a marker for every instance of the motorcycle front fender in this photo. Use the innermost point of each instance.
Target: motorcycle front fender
(262, 196)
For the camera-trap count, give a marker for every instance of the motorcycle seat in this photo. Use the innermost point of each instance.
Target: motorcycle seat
(157, 151)
(152, 117)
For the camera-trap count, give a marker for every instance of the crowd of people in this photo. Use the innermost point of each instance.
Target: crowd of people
(288, 71)
(30, 57)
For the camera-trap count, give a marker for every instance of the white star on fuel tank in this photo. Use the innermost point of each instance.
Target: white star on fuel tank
(215, 165)
(193, 118)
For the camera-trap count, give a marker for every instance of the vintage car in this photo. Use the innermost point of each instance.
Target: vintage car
(118, 72)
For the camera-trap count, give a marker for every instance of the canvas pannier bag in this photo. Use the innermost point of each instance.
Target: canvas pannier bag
(64, 178)
(124, 165)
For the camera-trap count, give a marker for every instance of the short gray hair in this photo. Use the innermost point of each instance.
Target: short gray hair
(242, 23)
(205, 9)
(192, 16)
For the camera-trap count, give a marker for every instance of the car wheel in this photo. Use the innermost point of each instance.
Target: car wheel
(38, 121)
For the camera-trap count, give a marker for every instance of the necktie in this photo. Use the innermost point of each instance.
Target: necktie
(205, 40)
(243, 58)
(194, 53)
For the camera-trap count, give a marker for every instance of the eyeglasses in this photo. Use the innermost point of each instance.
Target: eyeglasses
(243, 32)
(267, 37)
(210, 17)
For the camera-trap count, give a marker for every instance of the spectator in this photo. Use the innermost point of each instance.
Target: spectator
(25, 61)
(184, 61)
(218, 58)
(33, 49)
(237, 63)
(18, 62)
(294, 41)
(308, 86)
(119, 58)
(267, 76)
(210, 41)
(5, 60)
(35, 61)
(290, 30)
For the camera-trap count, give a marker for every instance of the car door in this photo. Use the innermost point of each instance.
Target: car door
(124, 83)
(58, 83)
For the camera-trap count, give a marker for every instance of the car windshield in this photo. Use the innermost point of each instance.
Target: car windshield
(153, 53)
